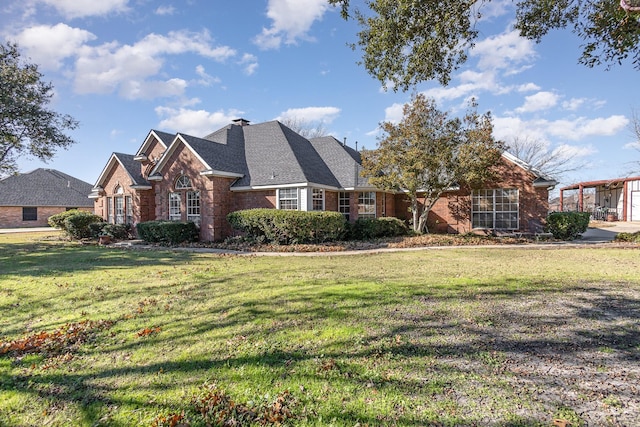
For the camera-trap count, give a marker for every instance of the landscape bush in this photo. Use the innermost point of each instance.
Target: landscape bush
(289, 227)
(57, 220)
(628, 237)
(375, 228)
(115, 231)
(567, 225)
(168, 232)
(75, 223)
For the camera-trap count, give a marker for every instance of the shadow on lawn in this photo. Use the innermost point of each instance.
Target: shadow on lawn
(432, 336)
(47, 258)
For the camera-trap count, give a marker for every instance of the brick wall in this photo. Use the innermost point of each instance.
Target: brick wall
(11, 216)
(452, 212)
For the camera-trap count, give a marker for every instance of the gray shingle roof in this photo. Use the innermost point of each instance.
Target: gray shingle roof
(343, 161)
(44, 187)
(165, 137)
(133, 168)
(276, 155)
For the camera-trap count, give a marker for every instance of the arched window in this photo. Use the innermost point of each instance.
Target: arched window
(191, 201)
(183, 182)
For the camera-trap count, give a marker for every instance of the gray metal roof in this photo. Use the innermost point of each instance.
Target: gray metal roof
(44, 187)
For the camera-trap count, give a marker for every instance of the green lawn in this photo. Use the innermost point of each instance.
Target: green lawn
(99, 336)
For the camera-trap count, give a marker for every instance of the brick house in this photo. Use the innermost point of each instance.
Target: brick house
(242, 166)
(29, 199)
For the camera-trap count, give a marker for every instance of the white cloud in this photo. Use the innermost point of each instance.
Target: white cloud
(250, 63)
(632, 145)
(165, 10)
(567, 151)
(205, 79)
(80, 8)
(194, 122)
(527, 87)
(133, 89)
(573, 104)
(394, 113)
(292, 20)
(48, 46)
(504, 51)
(112, 67)
(539, 101)
(575, 129)
(311, 114)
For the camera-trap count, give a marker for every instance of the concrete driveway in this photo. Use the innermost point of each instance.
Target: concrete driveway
(607, 231)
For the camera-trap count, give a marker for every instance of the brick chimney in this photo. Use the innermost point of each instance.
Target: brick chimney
(240, 122)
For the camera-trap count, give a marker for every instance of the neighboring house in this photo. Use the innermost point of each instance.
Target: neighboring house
(616, 199)
(29, 199)
(267, 165)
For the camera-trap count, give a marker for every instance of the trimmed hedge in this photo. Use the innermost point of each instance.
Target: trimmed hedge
(289, 227)
(75, 223)
(168, 232)
(375, 228)
(567, 225)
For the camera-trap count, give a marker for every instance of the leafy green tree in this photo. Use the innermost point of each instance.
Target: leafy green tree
(407, 41)
(27, 126)
(428, 153)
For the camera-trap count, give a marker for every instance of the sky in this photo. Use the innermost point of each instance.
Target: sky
(124, 67)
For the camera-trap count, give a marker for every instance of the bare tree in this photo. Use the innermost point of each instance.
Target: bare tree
(305, 128)
(552, 162)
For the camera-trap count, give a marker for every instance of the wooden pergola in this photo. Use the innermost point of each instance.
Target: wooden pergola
(606, 183)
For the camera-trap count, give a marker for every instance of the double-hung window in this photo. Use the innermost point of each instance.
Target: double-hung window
(367, 204)
(495, 209)
(344, 206)
(118, 204)
(128, 200)
(110, 219)
(317, 199)
(174, 207)
(193, 206)
(288, 199)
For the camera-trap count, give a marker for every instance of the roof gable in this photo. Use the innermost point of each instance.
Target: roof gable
(162, 138)
(44, 187)
(540, 179)
(130, 166)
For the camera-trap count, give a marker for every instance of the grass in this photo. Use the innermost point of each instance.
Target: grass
(413, 338)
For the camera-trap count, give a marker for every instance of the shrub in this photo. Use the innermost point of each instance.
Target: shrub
(57, 220)
(567, 225)
(628, 237)
(289, 227)
(116, 231)
(168, 232)
(77, 225)
(374, 228)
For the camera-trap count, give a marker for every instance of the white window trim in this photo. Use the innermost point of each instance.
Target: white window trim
(312, 199)
(298, 198)
(174, 216)
(494, 211)
(375, 201)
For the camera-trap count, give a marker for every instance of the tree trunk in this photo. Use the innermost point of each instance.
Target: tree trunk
(416, 214)
(422, 223)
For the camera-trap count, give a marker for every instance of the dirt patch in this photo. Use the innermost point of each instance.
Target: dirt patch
(574, 355)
